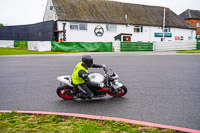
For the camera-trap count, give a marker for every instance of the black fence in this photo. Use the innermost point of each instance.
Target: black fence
(34, 32)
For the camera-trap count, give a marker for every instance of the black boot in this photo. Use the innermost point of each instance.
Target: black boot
(89, 98)
(83, 96)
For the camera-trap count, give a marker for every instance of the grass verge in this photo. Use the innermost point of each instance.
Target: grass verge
(189, 51)
(13, 51)
(21, 123)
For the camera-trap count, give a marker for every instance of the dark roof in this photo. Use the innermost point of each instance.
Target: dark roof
(122, 35)
(190, 14)
(104, 11)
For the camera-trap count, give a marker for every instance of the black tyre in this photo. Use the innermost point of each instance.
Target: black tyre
(121, 92)
(65, 92)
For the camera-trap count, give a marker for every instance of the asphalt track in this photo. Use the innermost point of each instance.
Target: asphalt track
(162, 87)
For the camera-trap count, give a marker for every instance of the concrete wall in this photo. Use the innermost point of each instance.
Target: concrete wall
(157, 46)
(39, 45)
(32, 45)
(175, 45)
(7, 43)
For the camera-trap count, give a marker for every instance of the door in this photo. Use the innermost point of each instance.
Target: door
(126, 38)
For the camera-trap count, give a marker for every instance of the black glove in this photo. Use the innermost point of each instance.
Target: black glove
(103, 66)
(84, 75)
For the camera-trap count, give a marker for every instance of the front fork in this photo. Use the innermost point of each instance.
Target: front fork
(116, 85)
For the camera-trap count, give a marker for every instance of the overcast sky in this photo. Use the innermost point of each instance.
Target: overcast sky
(20, 12)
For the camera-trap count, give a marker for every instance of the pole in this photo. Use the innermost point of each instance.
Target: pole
(164, 25)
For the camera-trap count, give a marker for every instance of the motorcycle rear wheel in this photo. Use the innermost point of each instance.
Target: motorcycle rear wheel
(65, 92)
(121, 92)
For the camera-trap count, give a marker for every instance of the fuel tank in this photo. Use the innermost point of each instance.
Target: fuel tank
(96, 77)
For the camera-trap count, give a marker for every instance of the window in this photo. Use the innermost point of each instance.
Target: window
(138, 29)
(198, 25)
(111, 27)
(166, 29)
(78, 26)
(82, 26)
(182, 38)
(126, 38)
(74, 26)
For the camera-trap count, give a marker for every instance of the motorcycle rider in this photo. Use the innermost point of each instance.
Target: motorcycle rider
(80, 75)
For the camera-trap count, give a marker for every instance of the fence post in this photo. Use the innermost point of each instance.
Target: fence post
(116, 46)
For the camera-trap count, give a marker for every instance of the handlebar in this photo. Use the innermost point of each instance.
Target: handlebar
(105, 70)
(112, 76)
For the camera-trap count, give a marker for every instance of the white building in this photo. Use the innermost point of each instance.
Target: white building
(106, 21)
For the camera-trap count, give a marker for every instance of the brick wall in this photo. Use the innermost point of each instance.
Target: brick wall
(194, 22)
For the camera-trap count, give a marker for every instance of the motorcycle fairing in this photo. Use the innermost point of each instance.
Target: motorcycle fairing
(117, 85)
(65, 79)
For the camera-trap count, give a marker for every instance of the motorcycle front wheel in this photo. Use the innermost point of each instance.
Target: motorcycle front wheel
(120, 92)
(65, 92)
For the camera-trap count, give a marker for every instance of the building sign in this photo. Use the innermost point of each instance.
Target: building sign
(98, 31)
(177, 38)
(64, 33)
(161, 34)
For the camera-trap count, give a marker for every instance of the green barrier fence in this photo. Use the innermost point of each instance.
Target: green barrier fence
(82, 46)
(198, 43)
(136, 46)
(21, 44)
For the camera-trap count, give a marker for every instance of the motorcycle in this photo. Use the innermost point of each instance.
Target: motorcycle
(109, 82)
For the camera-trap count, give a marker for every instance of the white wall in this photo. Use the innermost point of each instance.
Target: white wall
(39, 45)
(86, 35)
(50, 14)
(7, 43)
(146, 36)
(175, 45)
(32, 45)
(186, 33)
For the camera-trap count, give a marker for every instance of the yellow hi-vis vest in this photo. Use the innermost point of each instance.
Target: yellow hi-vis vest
(75, 77)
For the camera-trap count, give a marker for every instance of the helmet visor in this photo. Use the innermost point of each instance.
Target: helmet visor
(88, 62)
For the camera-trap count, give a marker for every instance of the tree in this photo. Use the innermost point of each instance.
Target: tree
(1, 24)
